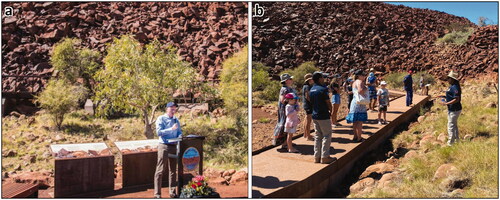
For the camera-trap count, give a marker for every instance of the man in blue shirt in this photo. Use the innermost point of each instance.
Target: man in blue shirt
(408, 86)
(321, 109)
(167, 127)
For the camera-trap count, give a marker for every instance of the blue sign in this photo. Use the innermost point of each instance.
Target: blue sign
(190, 159)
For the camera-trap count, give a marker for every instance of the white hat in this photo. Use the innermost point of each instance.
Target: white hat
(453, 75)
(383, 83)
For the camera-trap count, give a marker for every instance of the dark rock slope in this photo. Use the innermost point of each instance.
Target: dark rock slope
(204, 33)
(339, 36)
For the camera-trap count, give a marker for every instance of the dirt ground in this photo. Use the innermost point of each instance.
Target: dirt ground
(236, 190)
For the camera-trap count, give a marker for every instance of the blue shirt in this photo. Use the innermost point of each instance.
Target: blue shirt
(408, 82)
(453, 93)
(372, 79)
(305, 102)
(164, 128)
(319, 102)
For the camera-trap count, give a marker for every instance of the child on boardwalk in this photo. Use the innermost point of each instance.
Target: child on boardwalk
(383, 102)
(292, 119)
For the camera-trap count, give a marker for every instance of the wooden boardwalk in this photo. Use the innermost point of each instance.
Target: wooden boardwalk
(281, 174)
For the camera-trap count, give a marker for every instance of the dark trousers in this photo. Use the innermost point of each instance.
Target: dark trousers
(409, 97)
(163, 161)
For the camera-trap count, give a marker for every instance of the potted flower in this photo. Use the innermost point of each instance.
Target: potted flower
(198, 188)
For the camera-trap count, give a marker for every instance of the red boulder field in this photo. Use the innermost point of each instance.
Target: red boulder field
(339, 36)
(204, 33)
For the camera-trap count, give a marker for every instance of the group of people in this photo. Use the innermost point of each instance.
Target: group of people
(321, 109)
(321, 102)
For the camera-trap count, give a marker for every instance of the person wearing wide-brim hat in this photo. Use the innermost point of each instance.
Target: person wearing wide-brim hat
(453, 101)
(279, 134)
(306, 104)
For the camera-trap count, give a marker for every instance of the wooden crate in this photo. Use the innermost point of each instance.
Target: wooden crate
(75, 176)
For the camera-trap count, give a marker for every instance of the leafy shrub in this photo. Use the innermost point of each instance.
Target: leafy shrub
(230, 145)
(457, 27)
(260, 76)
(234, 79)
(226, 140)
(264, 89)
(456, 37)
(271, 91)
(74, 61)
(299, 72)
(58, 98)
(395, 80)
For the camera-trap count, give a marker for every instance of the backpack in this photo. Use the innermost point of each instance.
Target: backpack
(371, 79)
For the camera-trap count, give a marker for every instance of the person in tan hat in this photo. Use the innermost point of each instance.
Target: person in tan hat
(452, 101)
(306, 103)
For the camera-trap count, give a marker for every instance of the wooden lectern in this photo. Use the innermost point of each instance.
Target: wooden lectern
(189, 157)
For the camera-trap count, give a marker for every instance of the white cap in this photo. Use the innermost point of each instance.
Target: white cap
(383, 83)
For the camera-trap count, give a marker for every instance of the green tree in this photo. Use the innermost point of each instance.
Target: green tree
(74, 61)
(234, 93)
(138, 80)
(234, 81)
(58, 98)
(260, 76)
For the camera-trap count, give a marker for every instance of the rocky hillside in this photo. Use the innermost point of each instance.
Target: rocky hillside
(420, 164)
(339, 36)
(204, 33)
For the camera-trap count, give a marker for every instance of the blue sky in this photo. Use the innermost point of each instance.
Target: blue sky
(469, 10)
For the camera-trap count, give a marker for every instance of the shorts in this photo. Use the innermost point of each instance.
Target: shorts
(336, 99)
(291, 130)
(382, 108)
(373, 95)
(309, 111)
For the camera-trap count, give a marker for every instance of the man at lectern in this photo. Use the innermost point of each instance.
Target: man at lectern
(167, 127)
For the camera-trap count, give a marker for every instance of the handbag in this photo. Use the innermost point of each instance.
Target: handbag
(363, 99)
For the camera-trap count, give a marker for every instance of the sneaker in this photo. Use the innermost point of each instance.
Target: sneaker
(317, 160)
(385, 121)
(293, 151)
(379, 122)
(328, 160)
